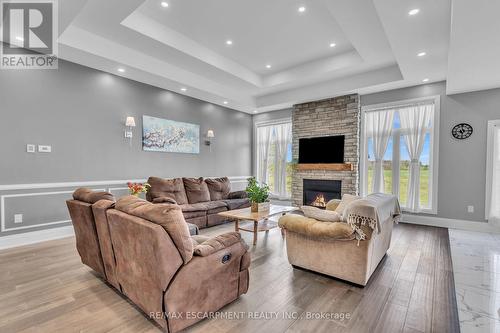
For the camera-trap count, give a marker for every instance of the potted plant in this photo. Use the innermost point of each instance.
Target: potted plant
(137, 188)
(258, 195)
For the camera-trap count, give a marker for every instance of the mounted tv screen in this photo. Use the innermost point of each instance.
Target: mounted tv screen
(326, 149)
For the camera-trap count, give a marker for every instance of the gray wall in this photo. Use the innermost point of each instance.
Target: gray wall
(462, 164)
(81, 112)
(268, 116)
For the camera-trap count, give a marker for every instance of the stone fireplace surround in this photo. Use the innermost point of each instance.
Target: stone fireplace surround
(328, 117)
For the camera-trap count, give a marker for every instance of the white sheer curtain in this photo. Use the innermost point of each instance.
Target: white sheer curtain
(414, 123)
(263, 144)
(379, 126)
(494, 204)
(283, 134)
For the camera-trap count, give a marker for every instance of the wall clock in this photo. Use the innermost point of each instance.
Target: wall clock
(462, 131)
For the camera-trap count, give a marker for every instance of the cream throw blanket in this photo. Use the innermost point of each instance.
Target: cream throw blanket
(373, 210)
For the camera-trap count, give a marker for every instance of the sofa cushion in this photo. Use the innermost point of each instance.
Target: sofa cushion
(237, 203)
(316, 229)
(237, 195)
(219, 188)
(170, 188)
(203, 206)
(193, 214)
(89, 196)
(200, 221)
(164, 200)
(196, 190)
(169, 216)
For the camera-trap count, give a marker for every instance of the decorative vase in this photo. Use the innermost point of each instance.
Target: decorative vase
(260, 207)
(135, 194)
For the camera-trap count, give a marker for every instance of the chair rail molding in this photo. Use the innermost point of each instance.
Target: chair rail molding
(51, 189)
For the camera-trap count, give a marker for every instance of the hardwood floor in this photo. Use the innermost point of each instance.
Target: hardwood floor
(45, 288)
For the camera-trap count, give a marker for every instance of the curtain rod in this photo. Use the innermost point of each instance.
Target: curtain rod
(397, 106)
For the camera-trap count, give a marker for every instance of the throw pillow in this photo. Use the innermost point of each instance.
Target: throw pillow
(332, 204)
(196, 190)
(346, 200)
(219, 188)
(320, 214)
(170, 188)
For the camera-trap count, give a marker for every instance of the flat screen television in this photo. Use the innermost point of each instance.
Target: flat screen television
(326, 149)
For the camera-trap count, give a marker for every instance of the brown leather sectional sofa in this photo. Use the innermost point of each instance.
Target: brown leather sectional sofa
(199, 199)
(146, 252)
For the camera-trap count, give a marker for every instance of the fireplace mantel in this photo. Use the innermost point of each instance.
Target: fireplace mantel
(325, 166)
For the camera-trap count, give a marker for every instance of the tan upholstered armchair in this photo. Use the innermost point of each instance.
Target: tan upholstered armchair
(348, 249)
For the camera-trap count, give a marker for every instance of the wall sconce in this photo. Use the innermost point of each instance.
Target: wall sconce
(210, 136)
(129, 123)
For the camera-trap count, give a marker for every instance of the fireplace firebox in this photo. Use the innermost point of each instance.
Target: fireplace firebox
(317, 192)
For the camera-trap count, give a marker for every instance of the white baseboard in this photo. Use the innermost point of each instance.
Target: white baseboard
(450, 223)
(34, 237)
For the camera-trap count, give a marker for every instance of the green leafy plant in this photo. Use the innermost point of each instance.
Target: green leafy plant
(257, 193)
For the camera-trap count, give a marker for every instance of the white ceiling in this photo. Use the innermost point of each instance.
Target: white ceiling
(377, 42)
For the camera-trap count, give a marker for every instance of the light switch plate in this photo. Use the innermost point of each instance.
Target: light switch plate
(30, 148)
(470, 209)
(44, 149)
(18, 218)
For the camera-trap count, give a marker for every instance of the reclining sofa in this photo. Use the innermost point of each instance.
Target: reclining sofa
(199, 199)
(147, 253)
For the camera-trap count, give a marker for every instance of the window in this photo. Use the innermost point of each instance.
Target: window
(399, 143)
(274, 156)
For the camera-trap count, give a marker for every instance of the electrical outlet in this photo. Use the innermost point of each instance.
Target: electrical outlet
(18, 218)
(128, 134)
(470, 209)
(44, 149)
(30, 148)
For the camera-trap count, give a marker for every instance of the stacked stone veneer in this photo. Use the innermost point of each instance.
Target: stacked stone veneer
(333, 116)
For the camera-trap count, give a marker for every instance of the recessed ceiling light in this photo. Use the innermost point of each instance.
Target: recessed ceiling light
(268, 66)
(229, 42)
(425, 80)
(414, 12)
(421, 54)
(225, 102)
(21, 39)
(121, 70)
(332, 44)
(164, 4)
(254, 111)
(183, 89)
(301, 9)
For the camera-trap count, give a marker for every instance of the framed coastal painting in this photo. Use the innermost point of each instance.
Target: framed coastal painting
(170, 136)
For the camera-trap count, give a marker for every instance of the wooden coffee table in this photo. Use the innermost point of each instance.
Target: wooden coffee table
(259, 221)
